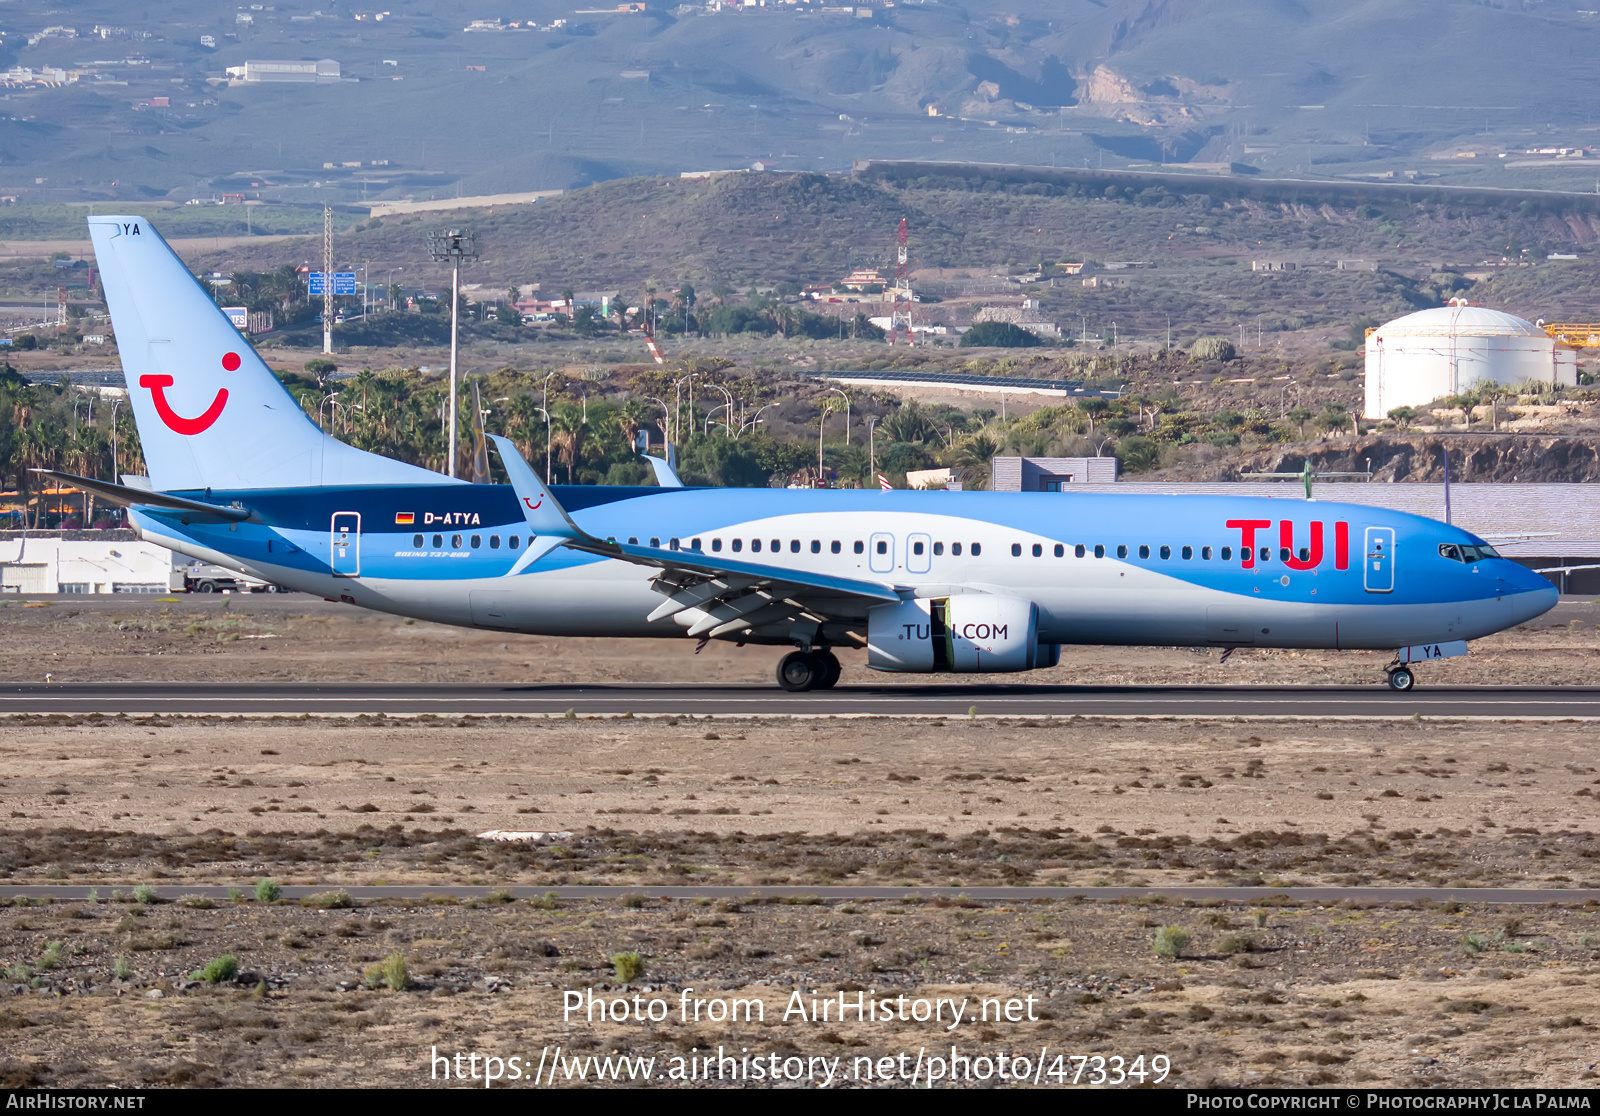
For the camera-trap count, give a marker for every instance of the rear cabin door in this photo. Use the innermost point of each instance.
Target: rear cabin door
(1378, 570)
(344, 544)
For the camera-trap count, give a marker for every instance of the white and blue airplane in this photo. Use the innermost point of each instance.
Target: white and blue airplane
(969, 583)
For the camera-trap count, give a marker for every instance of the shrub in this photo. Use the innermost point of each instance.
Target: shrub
(198, 902)
(390, 973)
(329, 901)
(219, 969)
(632, 902)
(51, 957)
(1170, 942)
(1237, 943)
(1473, 943)
(628, 966)
(121, 969)
(545, 902)
(144, 893)
(268, 891)
(1212, 348)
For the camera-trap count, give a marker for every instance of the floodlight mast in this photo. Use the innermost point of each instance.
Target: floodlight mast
(453, 245)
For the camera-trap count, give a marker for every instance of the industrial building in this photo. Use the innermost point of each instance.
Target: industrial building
(323, 70)
(92, 562)
(1425, 356)
(1050, 474)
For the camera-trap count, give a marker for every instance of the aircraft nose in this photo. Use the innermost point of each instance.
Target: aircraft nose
(1533, 593)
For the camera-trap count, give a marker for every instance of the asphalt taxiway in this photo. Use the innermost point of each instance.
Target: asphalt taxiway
(904, 700)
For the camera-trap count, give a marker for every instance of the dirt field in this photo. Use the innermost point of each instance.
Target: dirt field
(102, 992)
(265, 637)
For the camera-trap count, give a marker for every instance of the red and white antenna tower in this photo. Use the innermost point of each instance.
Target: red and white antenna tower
(900, 295)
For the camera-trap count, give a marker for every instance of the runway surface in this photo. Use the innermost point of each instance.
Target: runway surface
(1375, 895)
(904, 700)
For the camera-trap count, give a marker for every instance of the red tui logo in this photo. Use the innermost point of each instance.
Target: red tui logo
(175, 421)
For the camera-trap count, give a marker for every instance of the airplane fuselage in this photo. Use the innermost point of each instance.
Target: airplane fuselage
(1109, 569)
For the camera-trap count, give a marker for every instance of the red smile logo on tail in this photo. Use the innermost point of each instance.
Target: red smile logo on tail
(531, 505)
(175, 421)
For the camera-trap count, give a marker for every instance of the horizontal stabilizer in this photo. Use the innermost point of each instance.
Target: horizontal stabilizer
(196, 511)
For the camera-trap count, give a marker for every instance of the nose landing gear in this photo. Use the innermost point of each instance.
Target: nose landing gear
(800, 671)
(1401, 679)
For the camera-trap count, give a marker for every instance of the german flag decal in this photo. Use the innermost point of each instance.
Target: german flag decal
(404, 519)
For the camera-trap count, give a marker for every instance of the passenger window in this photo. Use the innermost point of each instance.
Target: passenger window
(1016, 550)
(777, 545)
(494, 542)
(655, 542)
(1205, 554)
(455, 542)
(416, 541)
(738, 545)
(1122, 552)
(1266, 554)
(694, 544)
(438, 541)
(512, 542)
(1060, 551)
(1166, 552)
(794, 546)
(1305, 554)
(816, 546)
(938, 549)
(860, 547)
(1283, 554)
(477, 542)
(883, 546)
(755, 546)
(1144, 552)
(633, 540)
(1099, 550)
(1038, 550)
(716, 546)
(916, 548)
(1078, 551)
(977, 549)
(955, 550)
(1188, 553)
(1227, 554)
(834, 546)
(672, 544)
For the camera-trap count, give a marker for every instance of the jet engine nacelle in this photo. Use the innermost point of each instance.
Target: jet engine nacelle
(968, 633)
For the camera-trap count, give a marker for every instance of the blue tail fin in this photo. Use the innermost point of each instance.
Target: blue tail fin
(210, 413)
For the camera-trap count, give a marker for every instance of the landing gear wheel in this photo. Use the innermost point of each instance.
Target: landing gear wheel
(1401, 680)
(830, 667)
(800, 671)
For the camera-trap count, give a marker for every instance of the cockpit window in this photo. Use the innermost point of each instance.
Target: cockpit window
(1467, 552)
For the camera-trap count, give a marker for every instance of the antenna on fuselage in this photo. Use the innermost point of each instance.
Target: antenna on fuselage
(1446, 451)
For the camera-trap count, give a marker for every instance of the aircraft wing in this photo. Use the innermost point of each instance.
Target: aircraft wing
(189, 511)
(732, 596)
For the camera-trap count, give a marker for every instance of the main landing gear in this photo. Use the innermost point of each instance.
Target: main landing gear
(800, 671)
(1401, 679)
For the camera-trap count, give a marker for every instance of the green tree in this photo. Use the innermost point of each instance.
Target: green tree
(1001, 335)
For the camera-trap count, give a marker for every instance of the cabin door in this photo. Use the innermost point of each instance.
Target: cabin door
(1378, 570)
(344, 544)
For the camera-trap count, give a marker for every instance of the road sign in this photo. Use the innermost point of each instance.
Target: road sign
(344, 282)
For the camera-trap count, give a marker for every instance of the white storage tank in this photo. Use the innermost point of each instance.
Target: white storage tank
(1425, 356)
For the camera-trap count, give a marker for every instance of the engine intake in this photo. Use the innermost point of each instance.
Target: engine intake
(968, 633)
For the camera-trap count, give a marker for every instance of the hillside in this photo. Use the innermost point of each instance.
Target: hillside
(735, 232)
(1437, 88)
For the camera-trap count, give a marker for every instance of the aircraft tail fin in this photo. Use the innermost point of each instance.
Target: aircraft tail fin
(210, 413)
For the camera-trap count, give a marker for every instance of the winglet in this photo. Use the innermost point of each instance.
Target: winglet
(544, 515)
(666, 475)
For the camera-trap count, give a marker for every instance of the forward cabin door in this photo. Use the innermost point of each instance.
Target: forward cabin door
(344, 544)
(1378, 569)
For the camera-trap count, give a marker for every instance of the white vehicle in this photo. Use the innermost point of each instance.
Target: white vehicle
(202, 577)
